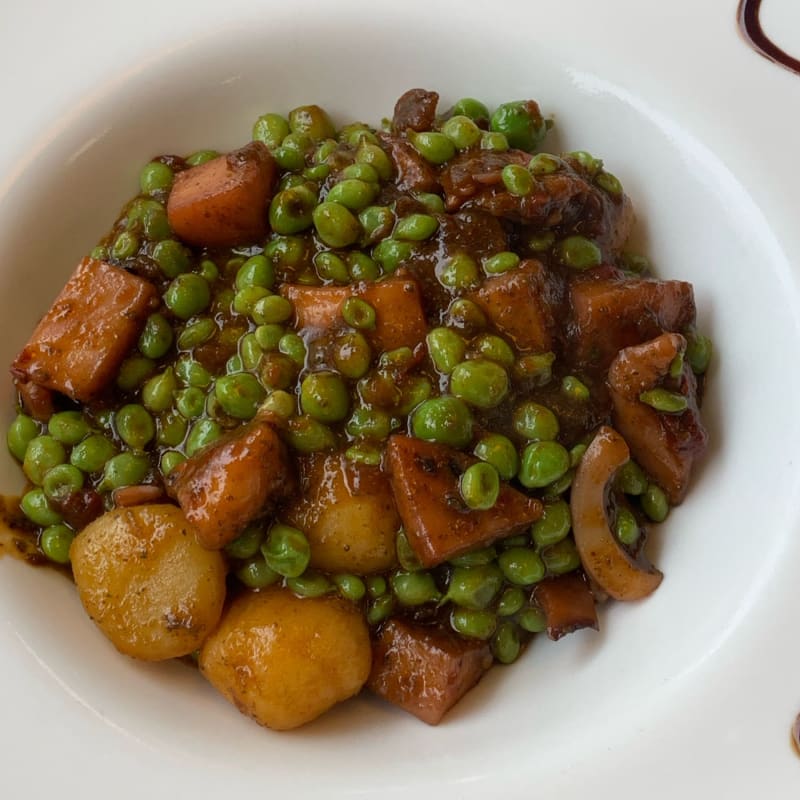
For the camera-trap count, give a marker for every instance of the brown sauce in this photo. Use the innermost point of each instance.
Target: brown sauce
(754, 35)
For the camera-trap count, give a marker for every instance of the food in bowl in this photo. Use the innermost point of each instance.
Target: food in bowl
(360, 407)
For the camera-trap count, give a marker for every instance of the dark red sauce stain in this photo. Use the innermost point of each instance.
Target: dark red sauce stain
(751, 29)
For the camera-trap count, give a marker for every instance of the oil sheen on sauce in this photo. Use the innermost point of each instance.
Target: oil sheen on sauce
(754, 35)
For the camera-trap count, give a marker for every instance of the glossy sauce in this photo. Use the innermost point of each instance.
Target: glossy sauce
(753, 33)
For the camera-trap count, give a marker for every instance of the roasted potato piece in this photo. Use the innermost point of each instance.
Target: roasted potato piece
(425, 670)
(147, 582)
(348, 514)
(224, 202)
(567, 603)
(80, 342)
(284, 660)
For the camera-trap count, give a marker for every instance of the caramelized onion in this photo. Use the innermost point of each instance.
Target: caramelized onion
(606, 561)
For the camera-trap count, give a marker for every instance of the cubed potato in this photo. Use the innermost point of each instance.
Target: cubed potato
(347, 511)
(439, 525)
(425, 670)
(567, 603)
(80, 342)
(146, 581)
(225, 201)
(284, 660)
(230, 482)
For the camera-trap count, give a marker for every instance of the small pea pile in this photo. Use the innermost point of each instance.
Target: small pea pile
(222, 347)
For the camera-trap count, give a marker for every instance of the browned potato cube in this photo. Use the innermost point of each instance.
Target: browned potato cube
(425, 670)
(284, 660)
(225, 201)
(567, 603)
(230, 482)
(348, 514)
(80, 342)
(146, 581)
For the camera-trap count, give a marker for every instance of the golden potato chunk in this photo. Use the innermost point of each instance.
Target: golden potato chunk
(284, 660)
(147, 582)
(348, 513)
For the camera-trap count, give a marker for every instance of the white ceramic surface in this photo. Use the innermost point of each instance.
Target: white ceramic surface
(692, 691)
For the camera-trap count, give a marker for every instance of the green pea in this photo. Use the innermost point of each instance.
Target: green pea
(416, 389)
(202, 433)
(433, 203)
(307, 435)
(532, 620)
(99, 253)
(272, 310)
(506, 643)
(240, 394)
(609, 183)
(630, 478)
(55, 542)
(352, 354)
(554, 524)
(209, 270)
(587, 161)
(517, 180)
(134, 425)
(445, 419)
(542, 241)
(280, 403)
(201, 157)
(474, 587)
(324, 397)
(125, 469)
(271, 129)
(470, 107)
(579, 252)
(699, 350)
(376, 585)
(155, 177)
(542, 463)
(351, 587)
(42, 454)
(475, 558)
(479, 486)
(91, 454)
(291, 153)
(406, 556)
(317, 173)
(286, 550)
(391, 253)
(654, 503)
(197, 333)
(415, 227)
(364, 453)
(626, 527)
(446, 349)
(277, 370)
(561, 557)
(492, 140)
(499, 451)
(250, 352)
(172, 258)
(495, 349)
(665, 401)
(461, 131)
(37, 508)
(676, 366)
(501, 262)
(256, 271)
(312, 121)
(360, 172)
(521, 566)
(187, 295)
(535, 422)
(511, 601)
(520, 540)
(479, 382)
(458, 272)
(246, 544)
(576, 453)
(190, 402)
(473, 624)
(635, 262)
(521, 122)
(22, 431)
(290, 210)
(169, 460)
(310, 584)
(559, 486)
(361, 267)
(433, 147)
(335, 224)
(192, 373)
(536, 367)
(377, 222)
(172, 429)
(155, 223)
(268, 336)
(353, 193)
(255, 574)
(285, 251)
(575, 389)
(369, 423)
(380, 609)
(62, 481)
(125, 246)
(244, 301)
(415, 588)
(372, 154)
(331, 267)
(156, 337)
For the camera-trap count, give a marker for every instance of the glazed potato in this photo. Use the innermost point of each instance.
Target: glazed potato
(348, 513)
(284, 660)
(146, 581)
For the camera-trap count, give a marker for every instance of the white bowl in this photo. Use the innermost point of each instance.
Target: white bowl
(619, 710)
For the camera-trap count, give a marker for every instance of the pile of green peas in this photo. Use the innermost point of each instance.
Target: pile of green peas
(221, 347)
